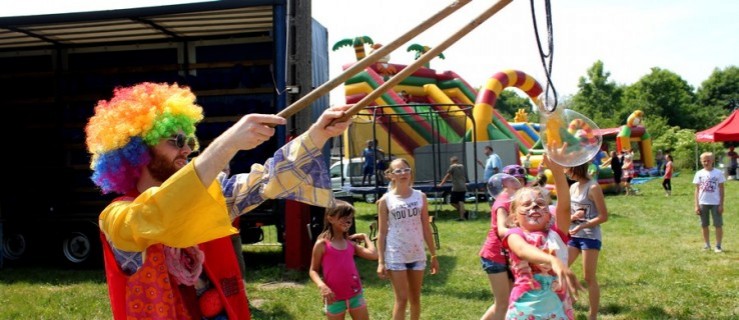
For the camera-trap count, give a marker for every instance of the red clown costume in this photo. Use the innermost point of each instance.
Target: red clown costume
(167, 249)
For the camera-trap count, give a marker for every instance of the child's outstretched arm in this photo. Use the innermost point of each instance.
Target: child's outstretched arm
(315, 266)
(528, 252)
(428, 236)
(382, 216)
(562, 215)
(369, 252)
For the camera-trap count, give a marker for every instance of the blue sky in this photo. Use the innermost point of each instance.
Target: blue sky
(630, 36)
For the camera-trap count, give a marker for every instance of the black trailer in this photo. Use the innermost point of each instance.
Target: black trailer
(238, 57)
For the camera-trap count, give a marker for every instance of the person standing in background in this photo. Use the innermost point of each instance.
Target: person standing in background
(628, 172)
(667, 178)
(493, 164)
(527, 162)
(709, 199)
(616, 164)
(459, 186)
(369, 166)
(732, 163)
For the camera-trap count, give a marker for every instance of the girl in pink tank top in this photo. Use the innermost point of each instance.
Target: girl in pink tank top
(333, 254)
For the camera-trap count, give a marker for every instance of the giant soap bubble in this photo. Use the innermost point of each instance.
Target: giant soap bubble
(498, 181)
(570, 138)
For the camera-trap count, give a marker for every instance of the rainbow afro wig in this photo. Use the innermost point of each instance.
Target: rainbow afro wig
(122, 130)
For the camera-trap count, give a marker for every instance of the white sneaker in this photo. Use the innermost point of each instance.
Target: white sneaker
(718, 249)
(706, 248)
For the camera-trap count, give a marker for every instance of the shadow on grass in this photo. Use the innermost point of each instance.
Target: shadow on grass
(255, 260)
(614, 309)
(276, 311)
(50, 276)
(654, 312)
(581, 308)
(651, 312)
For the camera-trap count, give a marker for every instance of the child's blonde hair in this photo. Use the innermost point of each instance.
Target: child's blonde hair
(340, 210)
(707, 155)
(390, 169)
(518, 197)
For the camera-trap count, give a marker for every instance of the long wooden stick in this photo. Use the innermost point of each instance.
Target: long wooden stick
(370, 59)
(426, 57)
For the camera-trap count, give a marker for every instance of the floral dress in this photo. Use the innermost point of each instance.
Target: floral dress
(536, 292)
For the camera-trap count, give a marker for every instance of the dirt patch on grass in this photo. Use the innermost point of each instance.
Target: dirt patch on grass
(279, 285)
(257, 303)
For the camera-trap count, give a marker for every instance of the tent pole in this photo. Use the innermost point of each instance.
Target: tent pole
(696, 157)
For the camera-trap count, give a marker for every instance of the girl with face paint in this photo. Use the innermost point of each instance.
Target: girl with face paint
(543, 283)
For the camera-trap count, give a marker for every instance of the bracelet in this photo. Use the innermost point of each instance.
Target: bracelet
(433, 256)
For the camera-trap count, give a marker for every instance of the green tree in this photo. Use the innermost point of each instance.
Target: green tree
(421, 50)
(356, 42)
(599, 98)
(509, 102)
(665, 94)
(656, 126)
(716, 92)
(681, 144)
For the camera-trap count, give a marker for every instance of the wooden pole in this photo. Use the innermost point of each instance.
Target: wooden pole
(306, 100)
(426, 57)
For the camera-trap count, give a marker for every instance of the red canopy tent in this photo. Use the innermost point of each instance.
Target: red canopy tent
(727, 130)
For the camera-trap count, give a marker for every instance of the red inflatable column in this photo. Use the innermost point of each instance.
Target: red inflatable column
(297, 242)
(298, 245)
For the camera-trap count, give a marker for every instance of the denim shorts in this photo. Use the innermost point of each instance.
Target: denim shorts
(340, 306)
(416, 265)
(584, 243)
(492, 267)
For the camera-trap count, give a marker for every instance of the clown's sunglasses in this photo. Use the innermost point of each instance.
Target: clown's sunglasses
(180, 140)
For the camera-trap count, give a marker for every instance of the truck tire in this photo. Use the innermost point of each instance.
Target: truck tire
(76, 247)
(81, 249)
(15, 246)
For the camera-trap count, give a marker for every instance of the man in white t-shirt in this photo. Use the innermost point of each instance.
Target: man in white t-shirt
(709, 199)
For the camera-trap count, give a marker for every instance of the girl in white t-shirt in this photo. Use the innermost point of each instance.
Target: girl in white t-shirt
(403, 223)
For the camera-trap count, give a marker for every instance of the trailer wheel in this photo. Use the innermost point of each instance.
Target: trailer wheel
(14, 246)
(76, 247)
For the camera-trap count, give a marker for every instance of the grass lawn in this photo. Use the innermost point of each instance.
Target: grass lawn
(651, 267)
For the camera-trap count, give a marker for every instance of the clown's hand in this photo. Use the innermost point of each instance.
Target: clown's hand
(253, 129)
(325, 127)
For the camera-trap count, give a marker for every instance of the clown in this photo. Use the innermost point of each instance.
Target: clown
(166, 240)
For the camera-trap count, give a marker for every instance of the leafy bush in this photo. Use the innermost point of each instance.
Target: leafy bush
(681, 144)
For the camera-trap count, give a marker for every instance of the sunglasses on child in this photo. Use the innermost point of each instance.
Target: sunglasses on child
(513, 171)
(180, 140)
(401, 171)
